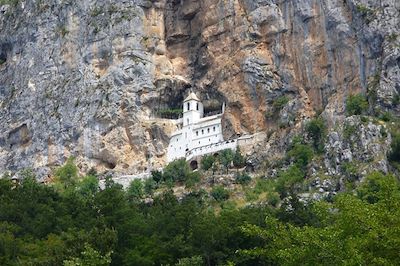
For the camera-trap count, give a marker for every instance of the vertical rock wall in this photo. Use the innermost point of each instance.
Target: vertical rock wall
(86, 78)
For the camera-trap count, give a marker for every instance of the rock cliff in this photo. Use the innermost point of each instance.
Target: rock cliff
(89, 78)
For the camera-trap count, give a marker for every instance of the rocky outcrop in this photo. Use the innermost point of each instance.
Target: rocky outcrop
(88, 78)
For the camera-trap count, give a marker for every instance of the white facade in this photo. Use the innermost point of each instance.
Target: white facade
(196, 134)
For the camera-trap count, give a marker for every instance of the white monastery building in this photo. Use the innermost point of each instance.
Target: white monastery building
(197, 135)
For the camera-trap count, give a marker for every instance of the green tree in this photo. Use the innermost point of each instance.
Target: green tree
(362, 230)
(238, 159)
(135, 190)
(192, 261)
(288, 180)
(226, 157)
(242, 178)
(89, 257)
(88, 186)
(356, 104)
(67, 175)
(301, 155)
(157, 176)
(207, 162)
(192, 179)
(219, 193)
(177, 171)
(316, 129)
(394, 155)
(149, 186)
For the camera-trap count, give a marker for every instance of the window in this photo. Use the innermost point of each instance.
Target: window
(209, 140)
(188, 106)
(197, 106)
(202, 132)
(214, 129)
(197, 133)
(208, 130)
(187, 120)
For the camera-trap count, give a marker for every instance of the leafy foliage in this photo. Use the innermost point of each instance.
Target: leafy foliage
(301, 154)
(226, 158)
(359, 231)
(157, 176)
(238, 159)
(177, 171)
(356, 104)
(219, 193)
(170, 113)
(394, 155)
(85, 225)
(89, 257)
(207, 162)
(287, 180)
(242, 178)
(316, 129)
(279, 103)
(135, 190)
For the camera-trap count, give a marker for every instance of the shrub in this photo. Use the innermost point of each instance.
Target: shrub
(238, 159)
(192, 179)
(88, 186)
(273, 199)
(170, 113)
(316, 129)
(351, 171)
(242, 178)
(279, 103)
(135, 190)
(377, 186)
(67, 175)
(301, 154)
(157, 176)
(394, 155)
(177, 171)
(396, 100)
(219, 193)
(386, 116)
(192, 261)
(226, 157)
(149, 186)
(356, 104)
(288, 179)
(349, 130)
(207, 162)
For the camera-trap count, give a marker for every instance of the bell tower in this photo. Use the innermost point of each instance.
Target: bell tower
(193, 109)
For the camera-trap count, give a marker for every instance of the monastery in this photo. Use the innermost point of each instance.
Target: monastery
(197, 135)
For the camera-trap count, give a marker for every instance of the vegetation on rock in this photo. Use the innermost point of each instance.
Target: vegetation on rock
(356, 104)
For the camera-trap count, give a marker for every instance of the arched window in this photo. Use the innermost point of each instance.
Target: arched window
(197, 106)
(188, 106)
(197, 133)
(202, 132)
(208, 130)
(214, 129)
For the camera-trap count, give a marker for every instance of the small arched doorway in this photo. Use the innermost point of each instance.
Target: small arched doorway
(194, 165)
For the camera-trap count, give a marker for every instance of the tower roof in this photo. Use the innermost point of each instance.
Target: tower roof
(192, 96)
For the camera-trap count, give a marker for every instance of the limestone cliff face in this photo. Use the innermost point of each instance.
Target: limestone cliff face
(87, 78)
